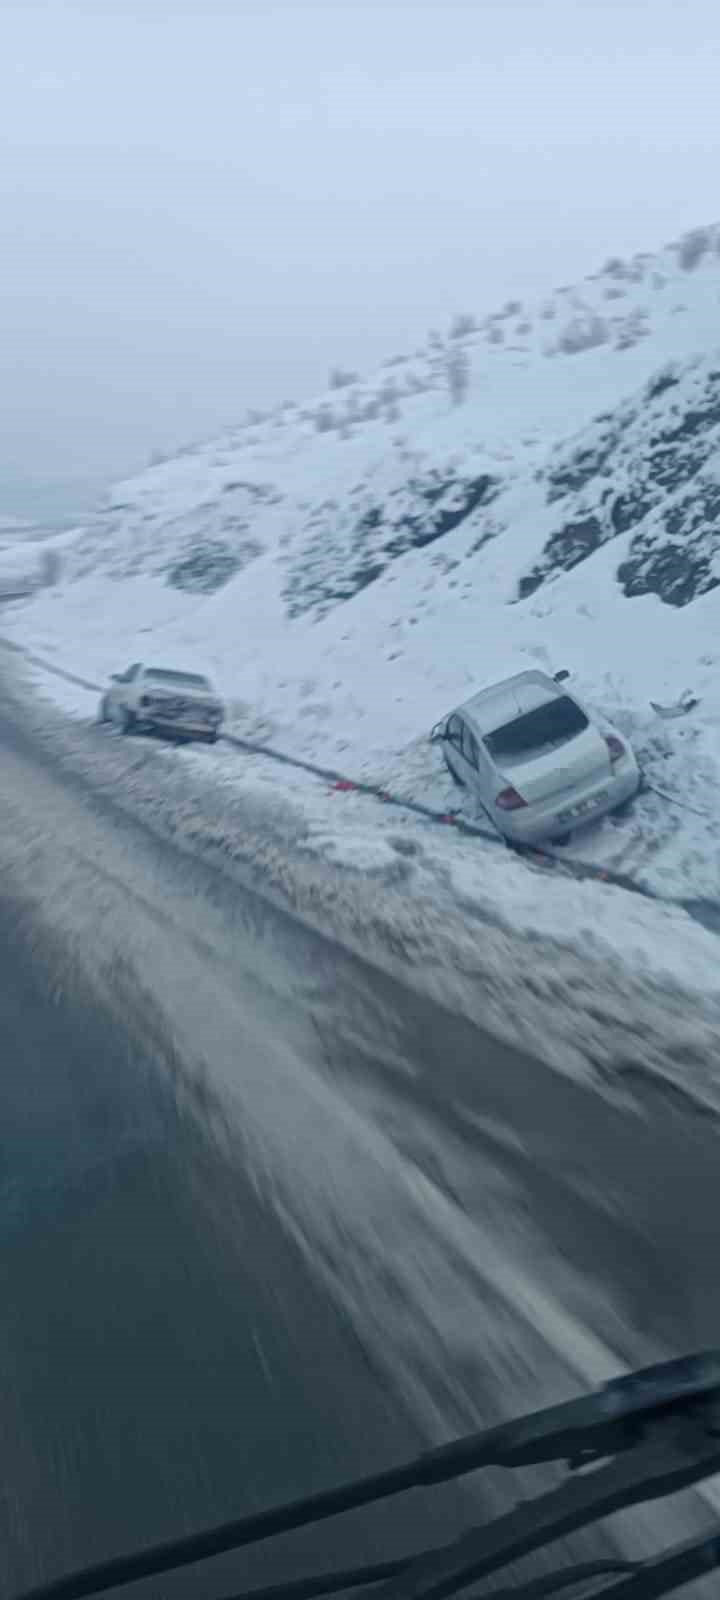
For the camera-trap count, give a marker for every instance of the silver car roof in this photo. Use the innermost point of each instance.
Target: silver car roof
(501, 702)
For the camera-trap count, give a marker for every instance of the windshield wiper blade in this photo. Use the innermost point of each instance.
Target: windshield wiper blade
(608, 1422)
(665, 1573)
(673, 1451)
(333, 1583)
(632, 1580)
(647, 1580)
(641, 1580)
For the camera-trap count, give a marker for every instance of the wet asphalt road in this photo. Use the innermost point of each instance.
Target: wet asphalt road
(165, 1358)
(168, 1357)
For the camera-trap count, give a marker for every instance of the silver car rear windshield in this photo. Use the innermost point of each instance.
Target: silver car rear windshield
(536, 731)
(159, 675)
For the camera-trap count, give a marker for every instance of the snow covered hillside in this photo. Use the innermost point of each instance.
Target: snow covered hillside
(21, 566)
(542, 484)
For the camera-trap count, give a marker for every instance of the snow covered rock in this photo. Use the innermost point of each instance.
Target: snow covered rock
(650, 467)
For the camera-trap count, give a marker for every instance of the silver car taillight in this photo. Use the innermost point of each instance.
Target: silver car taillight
(509, 799)
(615, 746)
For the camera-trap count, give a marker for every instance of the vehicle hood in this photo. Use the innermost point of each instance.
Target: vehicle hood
(568, 767)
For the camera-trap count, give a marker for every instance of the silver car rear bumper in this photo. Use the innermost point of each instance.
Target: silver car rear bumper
(553, 818)
(164, 726)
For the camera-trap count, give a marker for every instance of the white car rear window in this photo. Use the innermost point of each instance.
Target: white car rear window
(177, 679)
(547, 727)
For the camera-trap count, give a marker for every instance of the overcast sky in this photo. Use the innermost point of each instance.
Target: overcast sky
(205, 203)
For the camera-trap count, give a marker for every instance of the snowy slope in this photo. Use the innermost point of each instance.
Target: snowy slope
(349, 569)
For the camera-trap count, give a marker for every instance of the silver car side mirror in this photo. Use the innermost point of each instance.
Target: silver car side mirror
(438, 732)
(560, 676)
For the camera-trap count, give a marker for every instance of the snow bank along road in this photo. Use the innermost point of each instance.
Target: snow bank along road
(270, 1215)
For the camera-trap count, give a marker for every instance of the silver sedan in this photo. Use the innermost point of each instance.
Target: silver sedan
(182, 703)
(534, 760)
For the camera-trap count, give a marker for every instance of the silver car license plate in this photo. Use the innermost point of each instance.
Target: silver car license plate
(583, 806)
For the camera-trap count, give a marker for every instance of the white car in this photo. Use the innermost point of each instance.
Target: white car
(182, 703)
(534, 758)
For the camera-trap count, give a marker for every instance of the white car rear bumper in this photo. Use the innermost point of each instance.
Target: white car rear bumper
(562, 814)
